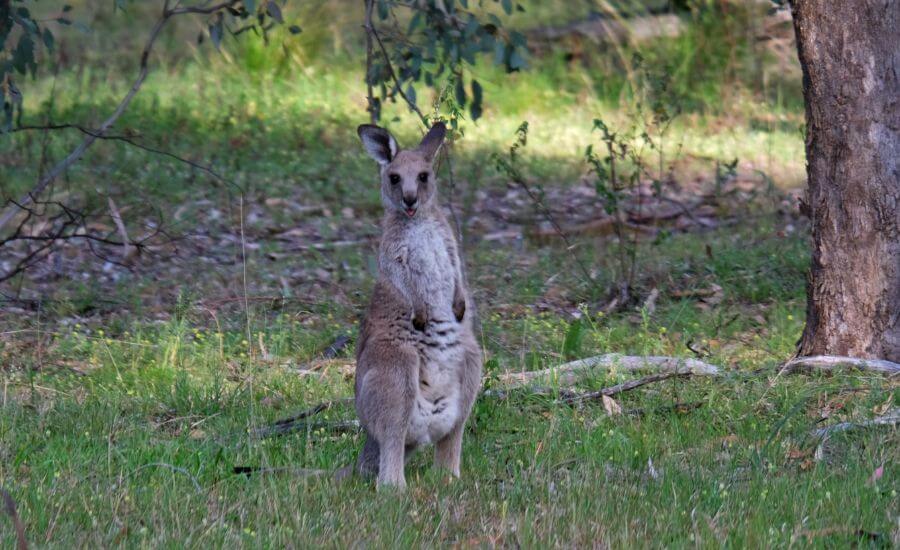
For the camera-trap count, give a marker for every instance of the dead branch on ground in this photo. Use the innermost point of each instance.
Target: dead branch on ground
(293, 423)
(832, 363)
(623, 387)
(570, 373)
(890, 418)
(9, 505)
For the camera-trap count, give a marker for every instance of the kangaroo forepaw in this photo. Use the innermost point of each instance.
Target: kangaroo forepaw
(459, 310)
(419, 320)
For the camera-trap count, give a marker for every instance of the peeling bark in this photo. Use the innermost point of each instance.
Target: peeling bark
(850, 55)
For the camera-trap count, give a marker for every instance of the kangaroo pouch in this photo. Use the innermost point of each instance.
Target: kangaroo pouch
(437, 407)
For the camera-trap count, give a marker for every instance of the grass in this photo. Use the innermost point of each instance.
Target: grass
(126, 404)
(106, 431)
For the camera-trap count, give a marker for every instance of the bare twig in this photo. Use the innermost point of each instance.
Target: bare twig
(130, 141)
(623, 387)
(9, 505)
(89, 139)
(832, 363)
(292, 423)
(370, 96)
(303, 472)
(127, 250)
(520, 180)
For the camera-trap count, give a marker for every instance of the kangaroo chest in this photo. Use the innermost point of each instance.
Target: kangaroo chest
(430, 267)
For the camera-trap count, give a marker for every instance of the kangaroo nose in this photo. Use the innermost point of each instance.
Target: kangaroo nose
(409, 201)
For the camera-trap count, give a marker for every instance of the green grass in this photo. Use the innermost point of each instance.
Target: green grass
(86, 417)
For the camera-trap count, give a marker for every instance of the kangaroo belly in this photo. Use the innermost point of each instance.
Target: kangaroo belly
(437, 406)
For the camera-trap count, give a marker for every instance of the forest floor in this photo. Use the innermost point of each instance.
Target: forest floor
(134, 386)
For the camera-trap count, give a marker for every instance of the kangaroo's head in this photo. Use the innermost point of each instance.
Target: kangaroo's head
(407, 175)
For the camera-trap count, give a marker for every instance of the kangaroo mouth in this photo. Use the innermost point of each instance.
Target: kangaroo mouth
(410, 212)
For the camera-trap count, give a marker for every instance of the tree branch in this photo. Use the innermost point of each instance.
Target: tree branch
(370, 30)
(130, 141)
(79, 151)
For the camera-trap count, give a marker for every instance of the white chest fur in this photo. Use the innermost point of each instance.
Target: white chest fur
(427, 265)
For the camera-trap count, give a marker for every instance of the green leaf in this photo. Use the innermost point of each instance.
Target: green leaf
(475, 109)
(499, 52)
(250, 6)
(411, 94)
(48, 38)
(274, 11)
(414, 22)
(507, 6)
(23, 56)
(460, 92)
(516, 61)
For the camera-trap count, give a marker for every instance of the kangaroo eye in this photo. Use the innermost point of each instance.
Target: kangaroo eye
(423, 177)
(395, 179)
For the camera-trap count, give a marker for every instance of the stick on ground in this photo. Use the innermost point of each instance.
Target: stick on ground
(890, 418)
(9, 505)
(570, 373)
(834, 363)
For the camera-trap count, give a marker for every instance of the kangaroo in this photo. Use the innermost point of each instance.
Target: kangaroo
(419, 365)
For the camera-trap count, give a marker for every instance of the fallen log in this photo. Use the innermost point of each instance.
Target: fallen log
(570, 373)
(603, 29)
(831, 363)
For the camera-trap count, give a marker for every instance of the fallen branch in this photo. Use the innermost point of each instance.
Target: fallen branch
(568, 374)
(890, 418)
(293, 423)
(833, 363)
(9, 505)
(623, 387)
(305, 472)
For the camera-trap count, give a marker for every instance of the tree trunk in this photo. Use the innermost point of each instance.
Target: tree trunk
(850, 54)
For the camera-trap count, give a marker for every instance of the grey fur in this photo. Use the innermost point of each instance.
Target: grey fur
(418, 361)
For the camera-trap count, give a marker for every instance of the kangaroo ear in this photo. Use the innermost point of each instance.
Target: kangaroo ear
(432, 141)
(379, 143)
